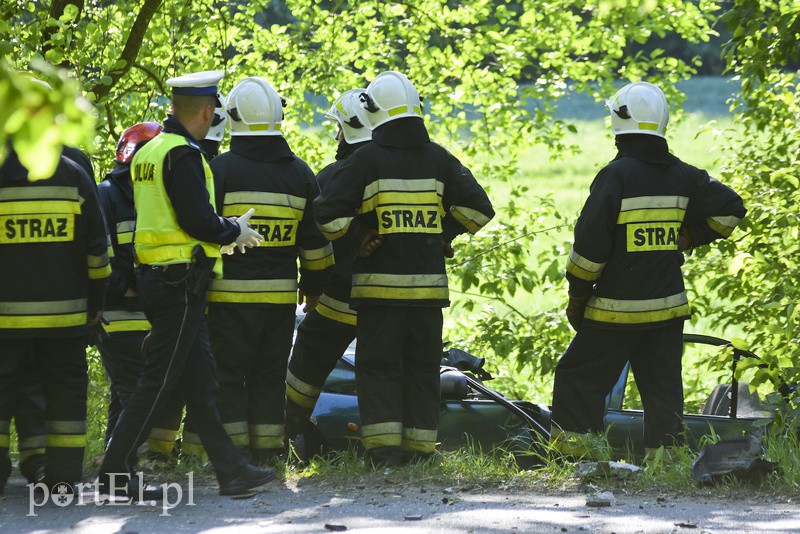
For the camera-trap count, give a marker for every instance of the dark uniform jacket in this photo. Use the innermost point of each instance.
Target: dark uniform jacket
(335, 300)
(116, 201)
(53, 251)
(184, 182)
(262, 172)
(417, 196)
(625, 255)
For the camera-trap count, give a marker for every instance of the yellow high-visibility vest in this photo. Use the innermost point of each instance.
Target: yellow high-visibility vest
(159, 239)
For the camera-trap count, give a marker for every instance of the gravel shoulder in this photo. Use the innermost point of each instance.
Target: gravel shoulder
(315, 505)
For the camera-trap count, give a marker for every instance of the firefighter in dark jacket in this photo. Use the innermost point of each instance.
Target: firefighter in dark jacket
(327, 330)
(29, 416)
(125, 325)
(177, 239)
(53, 254)
(251, 309)
(405, 198)
(626, 294)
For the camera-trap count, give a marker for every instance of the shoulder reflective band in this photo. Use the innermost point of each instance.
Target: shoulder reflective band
(265, 204)
(388, 192)
(652, 208)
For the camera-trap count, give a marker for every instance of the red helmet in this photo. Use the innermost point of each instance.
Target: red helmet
(133, 138)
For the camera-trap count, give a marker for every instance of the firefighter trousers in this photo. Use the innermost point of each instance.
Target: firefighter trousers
(398, 355)
(179, 358)
(319, 343)
(251, 346)
(30, 423)
(122, 357)
(592, 364)
(61, 367)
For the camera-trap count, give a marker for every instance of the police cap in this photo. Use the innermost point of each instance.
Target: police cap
(197, 84)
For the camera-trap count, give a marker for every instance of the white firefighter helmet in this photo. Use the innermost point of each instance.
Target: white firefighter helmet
(217, 130)
(639, 108)
(254, 108)
(388, 97)
(351, 116)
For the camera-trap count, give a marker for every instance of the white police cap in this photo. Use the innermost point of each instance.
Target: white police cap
(196, 84)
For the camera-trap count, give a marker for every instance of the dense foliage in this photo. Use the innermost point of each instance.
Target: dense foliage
(762, 282)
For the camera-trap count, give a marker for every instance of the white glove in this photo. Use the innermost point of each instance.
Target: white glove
(247, 236)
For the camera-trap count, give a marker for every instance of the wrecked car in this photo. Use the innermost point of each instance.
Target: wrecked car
(477, 416)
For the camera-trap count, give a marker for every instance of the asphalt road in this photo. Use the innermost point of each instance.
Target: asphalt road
(313, 505)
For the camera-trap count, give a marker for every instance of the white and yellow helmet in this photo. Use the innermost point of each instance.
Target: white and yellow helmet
(348, 112)
(217, 130)
(390, 96)
(639, 108)
(254, 108)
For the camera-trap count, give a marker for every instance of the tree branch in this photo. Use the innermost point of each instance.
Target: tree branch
(132, 46)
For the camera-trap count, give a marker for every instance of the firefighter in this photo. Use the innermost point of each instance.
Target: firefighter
(125, 325)
(29, 417)
(53, 254)
(327, 330)
(216, 133)
(251, 309)
(626, 293)
(404, 198)
(176, 241)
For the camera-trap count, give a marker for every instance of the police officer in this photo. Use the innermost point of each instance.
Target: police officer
(251, 310)
(406, 199)
(211, 142)
(190, 440)
(125, 325)
(55, 271)
(627, 300)
(327, 330)
(177, 239)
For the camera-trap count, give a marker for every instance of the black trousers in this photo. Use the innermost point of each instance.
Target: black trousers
(398, 355)
(29, 420)
(592, 364)
(61, 367)
(180, 359)
(121, 353)
(251, 346)
(319, 344)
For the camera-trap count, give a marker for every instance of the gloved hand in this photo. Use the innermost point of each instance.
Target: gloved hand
(310, 300)
(371, 242)
(247, 236)
(575, 309)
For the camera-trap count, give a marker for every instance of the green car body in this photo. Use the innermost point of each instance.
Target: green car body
(473, 415)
